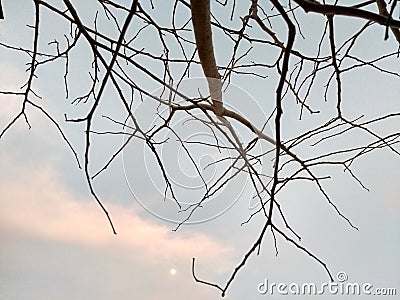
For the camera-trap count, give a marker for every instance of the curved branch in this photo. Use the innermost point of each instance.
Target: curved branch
(327, 9)
(202, 31)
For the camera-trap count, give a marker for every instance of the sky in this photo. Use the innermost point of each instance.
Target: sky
(56, 242)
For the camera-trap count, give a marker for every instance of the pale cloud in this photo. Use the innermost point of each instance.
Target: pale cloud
(35, 202)
(58, 245)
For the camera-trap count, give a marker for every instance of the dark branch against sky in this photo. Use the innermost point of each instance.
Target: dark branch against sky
(1, 12)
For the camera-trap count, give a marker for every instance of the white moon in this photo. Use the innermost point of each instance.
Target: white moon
(172, 271)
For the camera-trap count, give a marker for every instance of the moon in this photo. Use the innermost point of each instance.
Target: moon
(172, 271)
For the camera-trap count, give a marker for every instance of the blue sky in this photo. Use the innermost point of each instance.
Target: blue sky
(56, 242)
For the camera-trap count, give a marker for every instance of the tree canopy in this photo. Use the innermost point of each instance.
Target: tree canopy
(128, 72)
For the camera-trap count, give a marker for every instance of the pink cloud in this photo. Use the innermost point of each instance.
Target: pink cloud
(37, 203)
